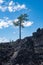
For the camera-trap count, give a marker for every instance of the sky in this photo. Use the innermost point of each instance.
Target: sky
(11, 9)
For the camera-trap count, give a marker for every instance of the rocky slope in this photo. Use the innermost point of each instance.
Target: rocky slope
(28, 51)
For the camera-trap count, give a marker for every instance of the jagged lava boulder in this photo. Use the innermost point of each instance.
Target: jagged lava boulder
(28, 51)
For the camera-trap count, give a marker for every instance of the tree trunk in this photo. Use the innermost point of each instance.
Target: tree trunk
(20, 31)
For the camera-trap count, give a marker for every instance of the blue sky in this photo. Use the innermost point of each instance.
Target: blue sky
(11, 9)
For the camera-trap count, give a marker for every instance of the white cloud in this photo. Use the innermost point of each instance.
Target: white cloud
(5, 23)
(3, 39)
(28, 23)
(2, 8)
(11, 3)
(15, 20)
(12, 7)
(16, 7)
(1, 1)
(19, 7)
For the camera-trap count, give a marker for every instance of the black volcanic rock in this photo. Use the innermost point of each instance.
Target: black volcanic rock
(28, 51)
(25, 53)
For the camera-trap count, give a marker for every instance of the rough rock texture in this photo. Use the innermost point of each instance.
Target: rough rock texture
(28, 51)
